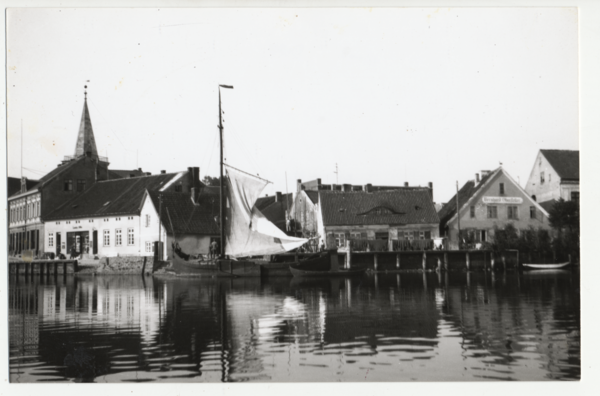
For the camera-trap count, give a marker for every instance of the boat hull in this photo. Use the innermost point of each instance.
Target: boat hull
(545, 266)
(220, 268)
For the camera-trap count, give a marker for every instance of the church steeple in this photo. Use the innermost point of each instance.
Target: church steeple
(85, 139)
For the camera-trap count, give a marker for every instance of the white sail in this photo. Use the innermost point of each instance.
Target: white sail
(249, 232)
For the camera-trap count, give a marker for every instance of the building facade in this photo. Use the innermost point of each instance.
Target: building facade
(493, 201)
(554, 176)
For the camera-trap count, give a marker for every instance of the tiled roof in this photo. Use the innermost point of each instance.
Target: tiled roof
(464, 194)
(110, 197)
(122, 173)
(275, 211)
(564, 162)
(402, 206)
(180, 213)
(13, 185)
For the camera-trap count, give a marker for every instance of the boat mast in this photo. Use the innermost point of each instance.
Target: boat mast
(222, 196)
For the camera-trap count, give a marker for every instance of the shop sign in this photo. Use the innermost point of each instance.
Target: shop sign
(502, 200)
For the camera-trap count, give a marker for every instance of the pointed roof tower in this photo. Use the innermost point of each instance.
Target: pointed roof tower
(85, 139)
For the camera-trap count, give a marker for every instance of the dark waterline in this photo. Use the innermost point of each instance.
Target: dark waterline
(407, 327)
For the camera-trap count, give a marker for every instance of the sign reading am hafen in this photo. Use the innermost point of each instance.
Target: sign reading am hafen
(502, 200)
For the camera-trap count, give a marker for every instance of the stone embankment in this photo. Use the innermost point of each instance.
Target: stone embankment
(129, 265)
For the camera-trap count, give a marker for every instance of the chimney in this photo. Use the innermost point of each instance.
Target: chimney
(405, 184)
(318, 184)
(162, 172)
(140, 169)
(476, 178)
(131, 175)
(148, 173)
(278, 196)
(369, 187)
(347, 187)
(194, 178)
(23, 184)
(430, 184)
(298, 184)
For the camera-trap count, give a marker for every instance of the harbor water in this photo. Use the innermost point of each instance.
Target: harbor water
(455, 326)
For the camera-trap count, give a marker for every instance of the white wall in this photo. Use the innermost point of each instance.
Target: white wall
(149, 232)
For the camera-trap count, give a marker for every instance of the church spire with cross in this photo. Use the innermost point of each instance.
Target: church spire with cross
(85, 138)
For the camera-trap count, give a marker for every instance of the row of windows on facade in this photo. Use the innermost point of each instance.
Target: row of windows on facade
(29, 211)
(106, 237)
(340, 238)
(92, 220)
(512, 212)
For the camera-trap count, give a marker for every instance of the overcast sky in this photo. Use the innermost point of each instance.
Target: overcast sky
(390, 95)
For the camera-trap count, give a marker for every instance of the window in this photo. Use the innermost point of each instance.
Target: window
(421, 235)
(542, 179)
(415, 234)
(575, 196)
(340, 240)
(147, 220)
(80, 185)
(178, 188)
(149, 247)
(513, 212)
(472, 212)
(427, 234)
(130, 236)
(50, 239)
(483, 236)
(106, 237)
(492, 212)
(532, 212)
(355, 235)
(409, 235)
(501, 185)
(68, 185)
(38, 212)
(118, 239)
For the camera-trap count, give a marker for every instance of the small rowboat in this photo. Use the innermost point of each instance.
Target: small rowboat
(546, 266)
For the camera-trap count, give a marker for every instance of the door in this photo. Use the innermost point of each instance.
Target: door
(58, 245)
(95, 242)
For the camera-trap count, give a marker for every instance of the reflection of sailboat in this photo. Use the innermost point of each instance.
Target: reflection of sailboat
(324, 266)
(245, 231)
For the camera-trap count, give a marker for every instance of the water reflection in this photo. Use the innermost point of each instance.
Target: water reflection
(400, 327)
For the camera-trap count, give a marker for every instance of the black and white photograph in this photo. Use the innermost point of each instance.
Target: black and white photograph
(293, 195)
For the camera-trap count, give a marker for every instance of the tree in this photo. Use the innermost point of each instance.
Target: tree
(565, 215)
(211, 181)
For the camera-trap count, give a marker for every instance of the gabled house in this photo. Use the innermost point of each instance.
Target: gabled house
(495, 200)
(189, 220)
(106, 219)
(555, 175)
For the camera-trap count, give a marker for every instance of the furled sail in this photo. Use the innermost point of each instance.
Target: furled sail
(249, 232)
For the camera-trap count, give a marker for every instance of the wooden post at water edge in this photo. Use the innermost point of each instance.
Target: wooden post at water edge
(349, 254)
(468, 261)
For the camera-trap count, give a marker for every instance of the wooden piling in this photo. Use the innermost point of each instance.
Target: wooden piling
(504, 262)
(439, 265)
(492, 260)
(468, 261)
(375, 261)
(397, 260)
(446, 261)
(349, 255)
(424, 260)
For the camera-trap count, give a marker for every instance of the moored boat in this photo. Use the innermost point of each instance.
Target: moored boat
(546, 266)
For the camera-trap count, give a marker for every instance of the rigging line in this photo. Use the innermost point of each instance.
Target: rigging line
(206, 151)
(249, 174)
(251, 158)
(110, 126)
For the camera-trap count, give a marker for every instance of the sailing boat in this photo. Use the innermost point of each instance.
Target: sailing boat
(245, 231)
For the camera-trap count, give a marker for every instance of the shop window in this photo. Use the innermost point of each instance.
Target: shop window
(513, 212)
(340, 240)
(492, 212)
